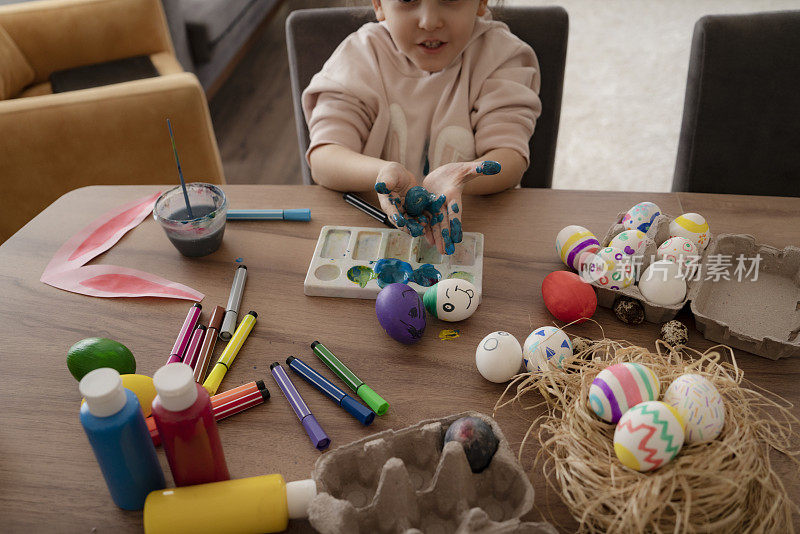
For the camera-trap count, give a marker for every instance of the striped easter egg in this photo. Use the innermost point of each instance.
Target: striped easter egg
(648, 436)
(700, 406)
(620, 387)
(693, 227)
(572, 241)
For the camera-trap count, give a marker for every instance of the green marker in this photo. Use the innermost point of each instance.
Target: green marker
(373, 400)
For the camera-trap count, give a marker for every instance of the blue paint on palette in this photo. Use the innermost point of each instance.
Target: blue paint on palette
(426, 275)
(392, 271)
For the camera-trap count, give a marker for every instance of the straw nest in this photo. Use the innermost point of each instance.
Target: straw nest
(726, 485)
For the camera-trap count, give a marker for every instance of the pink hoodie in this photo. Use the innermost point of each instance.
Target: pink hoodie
(371, 99)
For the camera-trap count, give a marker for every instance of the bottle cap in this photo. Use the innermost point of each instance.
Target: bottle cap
(357, 410)
(299, 495)
(373, 400)
(103, 391)
(175, 386)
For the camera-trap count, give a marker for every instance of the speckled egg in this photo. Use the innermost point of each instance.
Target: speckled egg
(648, 436)
(610, 268)
(693, 227)
(631, 242)
(629, 311)
(572, 241)
(641, 216)
(679, 250)
(452, 299)
(700, 405)
(621, 386)
(401, 313)
(498, 357)
(663, 283)
(544, 345)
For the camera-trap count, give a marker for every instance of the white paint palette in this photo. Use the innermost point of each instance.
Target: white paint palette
(345, 257)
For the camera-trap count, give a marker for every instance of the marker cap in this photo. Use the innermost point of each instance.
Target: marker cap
(175, 386)
(318, 436)
(373, 400)
(103, 391)
(364, 415)
(297, 215)
(216, 318)
(299, 495)
(228, 325)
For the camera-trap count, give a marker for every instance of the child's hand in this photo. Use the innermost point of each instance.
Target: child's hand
(449, 180)
(392, 184)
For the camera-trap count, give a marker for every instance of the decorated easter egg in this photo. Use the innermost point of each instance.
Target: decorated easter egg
(547, 344)
(452, 299)
(621, 386)
(678, 249)
(610, 268)
(401, 313)
(477, 438)
(631, 242)
(641, 216)
(568, 297)
(498, 357)
(692, 226)
(663, 283)
(572, 241)
(648, 436)
(699, 404)
(141, 386)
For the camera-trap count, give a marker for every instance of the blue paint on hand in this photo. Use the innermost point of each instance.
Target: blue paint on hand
(439, 218)
(395, 201)
(426, 275)
(488, 167)
(414, 227)
(416, 200)
(456, 232)
(423, 220)
(436, 203)
(455, 207)
(448, 243)
(392, 271)
(381, 188)
(399, 220)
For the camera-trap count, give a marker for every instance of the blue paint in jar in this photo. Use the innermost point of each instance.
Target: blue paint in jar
(392, 271)
(426, 275)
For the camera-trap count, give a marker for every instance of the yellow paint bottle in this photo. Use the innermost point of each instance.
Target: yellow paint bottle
(244, 506)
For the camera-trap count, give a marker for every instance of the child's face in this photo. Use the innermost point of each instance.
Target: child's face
(431, 33)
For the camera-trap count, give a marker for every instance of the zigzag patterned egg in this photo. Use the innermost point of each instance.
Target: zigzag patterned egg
(648, 436)
(620, 387)
(699, 404)
(547, 344)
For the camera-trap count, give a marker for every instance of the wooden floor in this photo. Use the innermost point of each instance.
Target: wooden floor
(252, 112)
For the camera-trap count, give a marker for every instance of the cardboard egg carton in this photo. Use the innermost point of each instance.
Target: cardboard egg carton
(406, 481)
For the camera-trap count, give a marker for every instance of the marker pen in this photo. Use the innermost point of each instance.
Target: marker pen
(234, 300)
(209, 341)
(364, 415)
(193, 349)
(185, 334)
(318, 436)
(301, 214)
(373, 400)
(231, 350)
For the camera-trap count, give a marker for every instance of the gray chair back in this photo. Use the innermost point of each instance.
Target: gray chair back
(741, 115)
(313, 34)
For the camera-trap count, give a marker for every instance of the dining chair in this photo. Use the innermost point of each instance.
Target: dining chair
(313, 34)
(741, 114)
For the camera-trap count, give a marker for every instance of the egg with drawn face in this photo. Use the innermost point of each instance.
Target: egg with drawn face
(452, 299)
(401, 313)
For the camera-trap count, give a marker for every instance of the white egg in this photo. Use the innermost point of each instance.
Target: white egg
(692, 226)
(641, 216)
(498, 357)
(544, 345)
(678, 249)
(452, 299)
(700, 406)
(663, 283)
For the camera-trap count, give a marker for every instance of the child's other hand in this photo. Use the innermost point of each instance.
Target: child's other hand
(449, 180)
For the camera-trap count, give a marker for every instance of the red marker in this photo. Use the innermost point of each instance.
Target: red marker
(193, 350)
(185, 334)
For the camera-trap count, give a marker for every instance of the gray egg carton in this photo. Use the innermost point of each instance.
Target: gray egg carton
(656, 234)
(405, 481)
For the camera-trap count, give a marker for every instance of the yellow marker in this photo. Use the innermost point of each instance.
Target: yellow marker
(231, 350)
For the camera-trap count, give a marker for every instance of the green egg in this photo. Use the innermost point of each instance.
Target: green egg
(97, 352)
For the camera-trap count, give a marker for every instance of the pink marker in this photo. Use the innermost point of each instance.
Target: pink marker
(185, 334)
(193, 350)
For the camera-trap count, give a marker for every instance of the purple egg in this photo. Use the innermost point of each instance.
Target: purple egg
(401, 313)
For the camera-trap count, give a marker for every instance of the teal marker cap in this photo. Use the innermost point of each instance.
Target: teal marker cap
(373, 400)
(297, 215)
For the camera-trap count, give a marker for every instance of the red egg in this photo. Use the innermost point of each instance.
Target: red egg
(568, 297)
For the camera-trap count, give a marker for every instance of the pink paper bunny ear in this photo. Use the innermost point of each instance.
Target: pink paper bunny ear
(66, 270)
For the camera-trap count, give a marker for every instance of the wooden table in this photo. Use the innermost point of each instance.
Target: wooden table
(48, 475)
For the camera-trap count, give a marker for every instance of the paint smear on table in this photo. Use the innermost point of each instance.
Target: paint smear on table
(448, 334)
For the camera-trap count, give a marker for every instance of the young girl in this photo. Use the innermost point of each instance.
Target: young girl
(422, 98)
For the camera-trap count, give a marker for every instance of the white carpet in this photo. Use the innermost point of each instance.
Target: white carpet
(624, 85)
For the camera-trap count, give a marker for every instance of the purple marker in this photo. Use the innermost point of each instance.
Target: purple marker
(185, 334)
(318, 436)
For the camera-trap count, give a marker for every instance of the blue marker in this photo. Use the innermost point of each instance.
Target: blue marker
(269, 215)
(364, 415)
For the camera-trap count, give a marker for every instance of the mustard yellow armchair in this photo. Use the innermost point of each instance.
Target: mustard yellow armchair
(115, 134)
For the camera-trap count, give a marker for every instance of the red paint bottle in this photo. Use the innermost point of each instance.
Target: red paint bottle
(185, 421)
